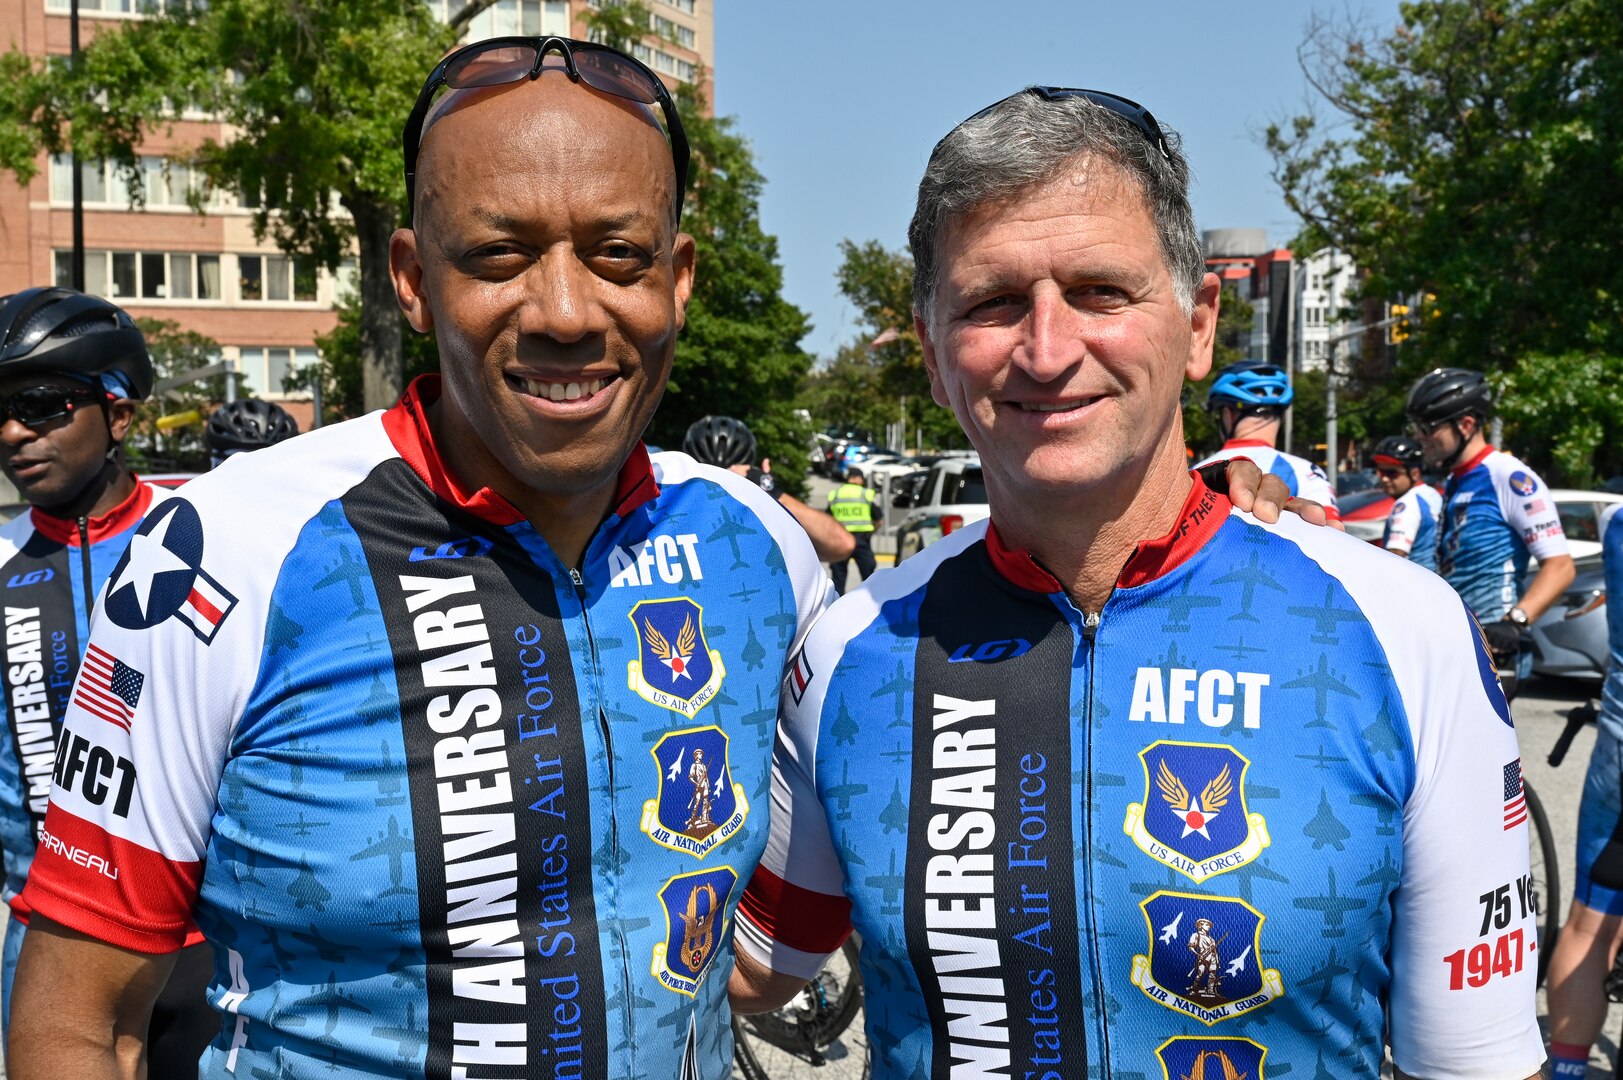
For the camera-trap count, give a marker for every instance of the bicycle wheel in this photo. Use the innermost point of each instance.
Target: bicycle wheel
(1546, 873)
(817, 1028)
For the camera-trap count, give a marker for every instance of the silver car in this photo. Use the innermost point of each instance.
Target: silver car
(1569, 639)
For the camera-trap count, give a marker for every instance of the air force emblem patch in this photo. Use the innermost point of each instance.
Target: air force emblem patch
(161, 576)
(698, 805)
(1194, 816)
(694, 927)
(1205, 956)
(1195, 1058)
(676, 669)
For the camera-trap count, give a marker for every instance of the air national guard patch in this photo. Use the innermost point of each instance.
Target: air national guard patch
(1194, 816)
(676, 669)
(1195, 1058)
(698, 805)
(1204, 956)
(694, 927)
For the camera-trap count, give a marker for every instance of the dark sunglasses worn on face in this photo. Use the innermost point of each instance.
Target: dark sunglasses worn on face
(1390, 474)
(503, 60)
(1126, 108)
(38, 405)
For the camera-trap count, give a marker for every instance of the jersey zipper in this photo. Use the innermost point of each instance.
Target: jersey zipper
(84, 558)
(614, 818)
(1091, 621)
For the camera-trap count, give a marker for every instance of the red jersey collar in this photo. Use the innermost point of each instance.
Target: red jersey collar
(1247, 444)
(409, 430)
(1203, 513)
(1461, 470)
(126, 515)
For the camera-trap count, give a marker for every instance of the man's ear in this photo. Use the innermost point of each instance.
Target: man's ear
(1203, 328)
(931, 363)
(406, 270)
(120, 415)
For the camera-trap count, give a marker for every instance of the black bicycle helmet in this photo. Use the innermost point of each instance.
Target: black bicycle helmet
(1398, 451)
(55, 331)
(1448, 394)
(720, 441)
(247, 425)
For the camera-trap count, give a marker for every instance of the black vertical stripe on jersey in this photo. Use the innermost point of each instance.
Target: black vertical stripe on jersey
(967, 604)
(58, 614)
(391, 515)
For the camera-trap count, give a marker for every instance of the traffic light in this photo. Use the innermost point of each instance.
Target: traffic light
(1398, 330)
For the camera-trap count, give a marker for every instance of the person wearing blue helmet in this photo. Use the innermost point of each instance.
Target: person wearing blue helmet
(1248, 400)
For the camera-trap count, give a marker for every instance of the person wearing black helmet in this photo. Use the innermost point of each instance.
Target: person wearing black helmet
(729, 444)
(239, 426)
(1498, 514)
(1411, 528)
(72, 368)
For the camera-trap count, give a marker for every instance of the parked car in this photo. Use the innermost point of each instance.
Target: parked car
(1364, 513)
(951, 494)
(1569, 640)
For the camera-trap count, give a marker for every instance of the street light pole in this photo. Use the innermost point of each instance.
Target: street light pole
(76, 261)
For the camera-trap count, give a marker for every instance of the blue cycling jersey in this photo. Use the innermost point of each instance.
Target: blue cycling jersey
(1411, 528)
(444, 806)
(1497, 515)
(1261, 814)
(1611, 715)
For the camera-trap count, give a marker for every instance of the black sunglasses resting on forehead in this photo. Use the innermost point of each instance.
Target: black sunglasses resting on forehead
(503, 60)
(1127, 108)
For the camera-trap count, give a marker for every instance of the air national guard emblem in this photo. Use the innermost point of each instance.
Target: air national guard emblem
(698, 804)
(1194, 817)
(694, 926)
(1195, 1058)
(1204, 957)
(676, 669)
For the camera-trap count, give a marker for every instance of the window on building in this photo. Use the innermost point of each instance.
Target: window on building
(94, 180)
(347, 281)
(147, 275)
(266, 368)
(681, 5)
(250, 277)
(166, 183)
(208, 278)
(276, 278)
(531, 18)
(124, 275)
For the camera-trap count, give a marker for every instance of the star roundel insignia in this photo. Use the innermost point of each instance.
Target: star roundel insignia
(156, 574)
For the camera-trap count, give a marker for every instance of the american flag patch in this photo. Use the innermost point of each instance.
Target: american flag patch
(1534, 507)
(800, 676)
(108, 687)
(1515, 799)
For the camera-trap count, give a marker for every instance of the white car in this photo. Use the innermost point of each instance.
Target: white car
(952, 495)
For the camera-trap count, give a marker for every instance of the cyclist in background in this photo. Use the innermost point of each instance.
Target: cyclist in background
(1248, 400)
(1497, 513)
(728, 443)
(239, 426)
(1589, 940)
(855, 506)
(1411, 530)
(72, 368)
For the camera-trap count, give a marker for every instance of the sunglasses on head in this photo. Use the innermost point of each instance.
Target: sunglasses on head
(36, 405)
(1126, 108)
(503, 60)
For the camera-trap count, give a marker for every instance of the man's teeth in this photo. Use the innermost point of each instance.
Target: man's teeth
(558, 391)
(1032, 406)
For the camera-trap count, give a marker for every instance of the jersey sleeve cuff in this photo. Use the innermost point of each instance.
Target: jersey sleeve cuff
(75, 916)
(775, 955)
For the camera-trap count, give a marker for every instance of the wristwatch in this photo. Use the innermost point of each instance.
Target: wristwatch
(1518, 616)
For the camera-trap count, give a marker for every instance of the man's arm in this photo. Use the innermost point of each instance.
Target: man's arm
(756, 988)
(80, 1007)
(831, 540)
(1553, 577)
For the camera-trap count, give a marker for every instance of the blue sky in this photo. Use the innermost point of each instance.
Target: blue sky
(842, 102)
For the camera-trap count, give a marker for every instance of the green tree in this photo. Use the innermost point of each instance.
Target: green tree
(340, 367)
(1471, 153)
(315, 94)
(1566, 409)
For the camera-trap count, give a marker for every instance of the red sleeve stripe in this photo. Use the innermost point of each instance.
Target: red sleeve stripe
(113, 889)
(807, 921)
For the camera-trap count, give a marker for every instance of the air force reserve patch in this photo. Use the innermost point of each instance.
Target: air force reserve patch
(694, 927)
(1194, 816)
(698, 805)
(1205, 956)
(1195, 1058)
(676, 669)
(161, 576)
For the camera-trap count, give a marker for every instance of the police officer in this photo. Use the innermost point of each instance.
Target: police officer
(855, 507)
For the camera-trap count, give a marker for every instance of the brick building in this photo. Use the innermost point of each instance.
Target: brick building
(206, 271)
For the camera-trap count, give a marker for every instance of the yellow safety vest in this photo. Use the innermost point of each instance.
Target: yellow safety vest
(852, 506)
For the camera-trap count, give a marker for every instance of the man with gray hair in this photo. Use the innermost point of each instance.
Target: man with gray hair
(1104, 736)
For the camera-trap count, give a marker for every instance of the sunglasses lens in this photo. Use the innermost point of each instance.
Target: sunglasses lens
(609, 73)
(39, 404)
(491, 67)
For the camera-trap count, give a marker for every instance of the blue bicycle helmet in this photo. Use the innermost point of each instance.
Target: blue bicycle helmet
(1250, 384)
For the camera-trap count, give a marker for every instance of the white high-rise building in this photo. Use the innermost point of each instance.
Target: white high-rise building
(1324, 308)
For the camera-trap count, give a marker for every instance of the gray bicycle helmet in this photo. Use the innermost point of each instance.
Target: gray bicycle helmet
(1448, 394)
(247, 425)
(720, 441)
(56, 331)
